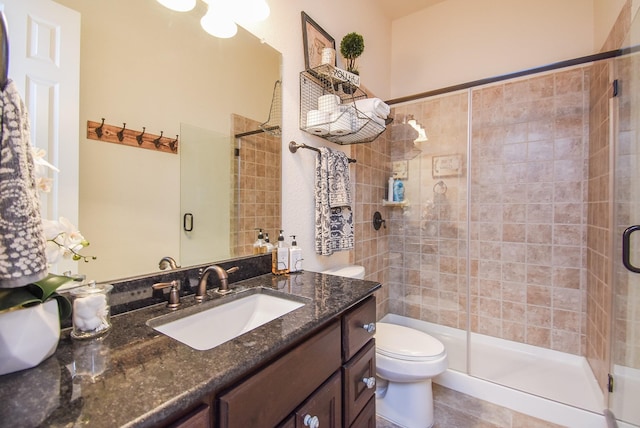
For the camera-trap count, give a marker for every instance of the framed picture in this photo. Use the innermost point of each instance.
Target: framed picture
(447, 166)
(314, 39)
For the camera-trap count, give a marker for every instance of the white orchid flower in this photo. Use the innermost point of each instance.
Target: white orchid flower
(38, 158)
(64, 240)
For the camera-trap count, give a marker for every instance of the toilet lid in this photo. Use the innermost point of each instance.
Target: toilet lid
(404, 343)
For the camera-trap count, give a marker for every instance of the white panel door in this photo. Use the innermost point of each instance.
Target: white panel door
(44, 62)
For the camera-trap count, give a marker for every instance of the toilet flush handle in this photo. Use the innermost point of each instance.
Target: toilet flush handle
(370, 327)
(370, 382)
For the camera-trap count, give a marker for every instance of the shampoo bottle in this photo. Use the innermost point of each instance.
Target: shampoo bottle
(280, 257)
(295, 256)
(258, 246)
(398, 191)
(390, 190)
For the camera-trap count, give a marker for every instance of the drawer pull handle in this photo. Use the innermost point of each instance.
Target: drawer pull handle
(311, 421)
(370, 382)
(371, 327)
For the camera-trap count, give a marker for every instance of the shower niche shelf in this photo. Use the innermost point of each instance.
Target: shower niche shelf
(387, 203)
(343, 124)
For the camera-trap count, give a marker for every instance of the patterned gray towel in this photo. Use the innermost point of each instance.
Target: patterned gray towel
(333, 224)
(22, 241)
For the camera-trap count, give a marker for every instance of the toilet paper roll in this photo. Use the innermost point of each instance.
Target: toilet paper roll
(318, 122)
(340, 123)
(328, 103)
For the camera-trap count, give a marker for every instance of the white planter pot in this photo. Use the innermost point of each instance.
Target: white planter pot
(28, 336)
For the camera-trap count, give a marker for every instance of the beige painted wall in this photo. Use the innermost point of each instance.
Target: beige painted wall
(458, 41)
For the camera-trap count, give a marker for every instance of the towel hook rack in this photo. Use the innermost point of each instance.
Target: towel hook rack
(121, 132)
(139, 136)
(293, 147)
(99, 129)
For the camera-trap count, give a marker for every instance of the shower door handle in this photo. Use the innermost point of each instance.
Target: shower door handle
(187, 222)
(626, 248)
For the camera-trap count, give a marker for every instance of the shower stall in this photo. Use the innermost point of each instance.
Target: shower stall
(509, 244)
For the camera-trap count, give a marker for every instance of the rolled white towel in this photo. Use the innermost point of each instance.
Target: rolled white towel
(374, 105)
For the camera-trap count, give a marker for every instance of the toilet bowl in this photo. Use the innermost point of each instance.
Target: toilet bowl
(349, 271)
(406, 360)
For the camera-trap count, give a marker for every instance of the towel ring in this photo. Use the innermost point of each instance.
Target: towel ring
(440, 188)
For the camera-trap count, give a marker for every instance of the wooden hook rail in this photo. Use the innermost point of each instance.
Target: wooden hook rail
(101, 131)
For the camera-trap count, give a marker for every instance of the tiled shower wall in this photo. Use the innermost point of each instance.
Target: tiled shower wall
(528, 213)
(256, 198)
(372, 168)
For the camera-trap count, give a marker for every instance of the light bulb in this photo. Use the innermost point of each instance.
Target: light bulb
(218, 23)
(178, 5)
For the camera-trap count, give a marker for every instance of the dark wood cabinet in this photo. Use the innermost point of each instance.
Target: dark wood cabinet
(366, 418)
(358, 327)
(267, 397)
(328, 380)
(197, 418)
(324, 407)
(359, 382)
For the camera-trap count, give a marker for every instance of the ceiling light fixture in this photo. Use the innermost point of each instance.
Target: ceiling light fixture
(222, 15)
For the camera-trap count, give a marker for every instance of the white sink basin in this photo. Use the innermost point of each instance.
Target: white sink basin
(212, 327)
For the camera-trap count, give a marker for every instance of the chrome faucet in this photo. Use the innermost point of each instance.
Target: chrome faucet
(167, 262)
(222, 276)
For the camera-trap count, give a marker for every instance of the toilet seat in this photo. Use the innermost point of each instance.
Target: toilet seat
(407, 344)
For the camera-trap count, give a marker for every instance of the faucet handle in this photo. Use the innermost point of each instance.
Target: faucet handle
(233, 269)
(174, 294)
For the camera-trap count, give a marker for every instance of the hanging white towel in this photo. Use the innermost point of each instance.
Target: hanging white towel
(334, 217)
(22, 241)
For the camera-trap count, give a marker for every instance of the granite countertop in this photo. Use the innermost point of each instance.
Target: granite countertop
(135, 376)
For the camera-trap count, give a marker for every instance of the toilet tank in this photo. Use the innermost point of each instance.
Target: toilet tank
(350, 271)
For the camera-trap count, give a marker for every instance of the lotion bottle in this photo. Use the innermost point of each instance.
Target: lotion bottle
(280, 257)
(295, 256)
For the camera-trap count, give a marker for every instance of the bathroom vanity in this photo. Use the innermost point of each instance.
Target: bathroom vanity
(313, 365)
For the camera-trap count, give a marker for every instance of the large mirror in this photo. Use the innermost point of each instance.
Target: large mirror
(146, 66)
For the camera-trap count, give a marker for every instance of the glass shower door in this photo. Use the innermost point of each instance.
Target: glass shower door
(623, 400)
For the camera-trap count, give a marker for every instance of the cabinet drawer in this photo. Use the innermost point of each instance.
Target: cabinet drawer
(198, 418)
(354, 333)
(325, 405)
(366, 418)
(356, 392)
(270, 395)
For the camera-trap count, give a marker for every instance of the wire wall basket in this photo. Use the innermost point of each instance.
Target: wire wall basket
(329, 109)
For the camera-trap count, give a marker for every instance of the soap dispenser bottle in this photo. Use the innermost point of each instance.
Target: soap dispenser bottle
(259, 246)
(295, 256)
(280, 257)
(267, 243)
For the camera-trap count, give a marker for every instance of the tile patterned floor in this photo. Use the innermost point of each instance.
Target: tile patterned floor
(453, 409)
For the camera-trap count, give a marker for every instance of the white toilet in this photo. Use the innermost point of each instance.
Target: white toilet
(406, 360)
